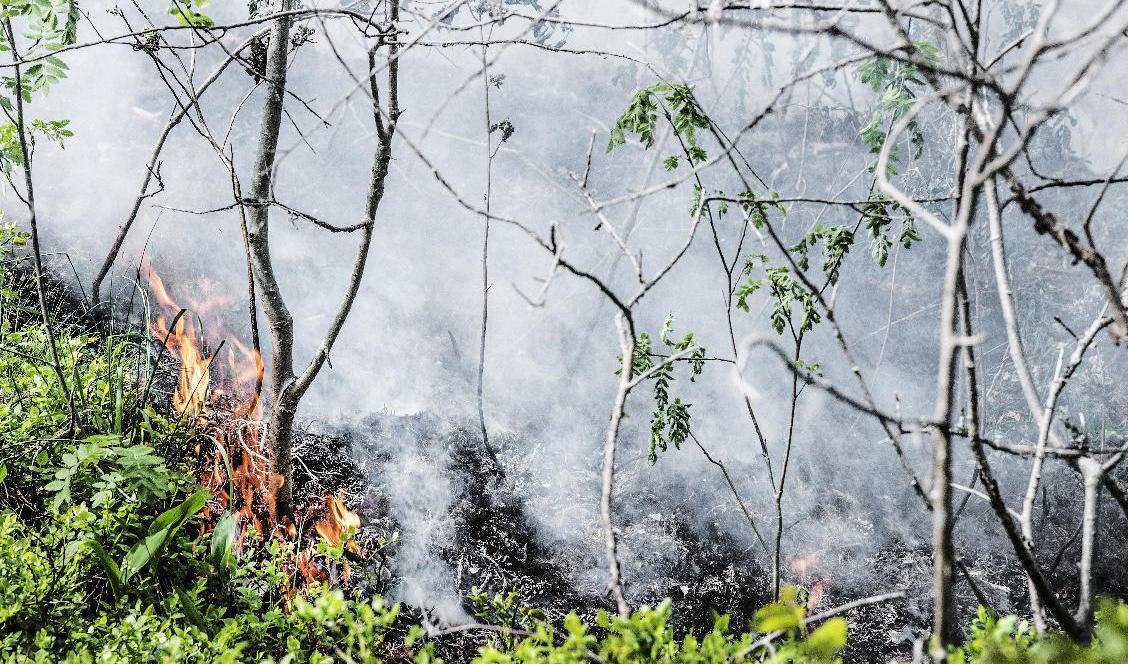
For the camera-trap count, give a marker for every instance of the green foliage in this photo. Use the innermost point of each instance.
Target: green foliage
(836, 242)
(11, 152)
(101, 554)
(646, 636)
(670, 421)
(676, 102)
(787, 296)
(894, 81)
(49, 25)
(503, 610)
(190, 12)
(112, 466)
(102, 469)
(878, 215)
(757, 209)
(1009, 640)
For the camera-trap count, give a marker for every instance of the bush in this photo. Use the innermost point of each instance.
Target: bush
(1010, 640)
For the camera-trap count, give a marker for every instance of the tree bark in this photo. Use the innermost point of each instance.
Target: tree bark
(287, 387)
(279, 431)
(1092, 473)
(626, 374)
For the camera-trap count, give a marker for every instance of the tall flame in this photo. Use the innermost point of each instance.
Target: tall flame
(190, 394)
(228, 382)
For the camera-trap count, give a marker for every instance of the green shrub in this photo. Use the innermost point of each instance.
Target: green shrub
(1010, 640)
(779, 636)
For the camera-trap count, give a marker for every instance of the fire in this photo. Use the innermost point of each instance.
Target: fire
(338, 522)
(181, 339)
(804, 566)
(220, 391)
(817, 593)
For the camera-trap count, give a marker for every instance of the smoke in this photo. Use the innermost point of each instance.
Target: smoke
(410, 345)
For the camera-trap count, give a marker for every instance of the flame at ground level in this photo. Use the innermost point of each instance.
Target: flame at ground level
(339, 522)
(220, 391)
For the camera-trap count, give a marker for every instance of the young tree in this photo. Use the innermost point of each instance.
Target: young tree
(288, 386)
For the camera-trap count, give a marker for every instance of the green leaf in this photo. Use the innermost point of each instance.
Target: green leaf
(830, 638)
(150, 547)
(113, 573)
(778, 617)
(143, 552)
(191, 611)
(222, 541)
(182, 512)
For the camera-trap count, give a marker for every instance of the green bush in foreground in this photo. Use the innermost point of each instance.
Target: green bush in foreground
(1010, 640)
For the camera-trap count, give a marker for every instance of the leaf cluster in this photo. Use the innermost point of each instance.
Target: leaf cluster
(896, 83)
(670, 421)
(676, 102)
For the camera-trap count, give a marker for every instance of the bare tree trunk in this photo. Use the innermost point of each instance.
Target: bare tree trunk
(944, 627)
(777, 546)
(485, 258)
(287, 387)
(279, 432)
(626, 374)
(1026, 519)
(945, 630)
(1092, 473)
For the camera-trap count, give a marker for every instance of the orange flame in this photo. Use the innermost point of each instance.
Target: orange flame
(232, 380)
(221, 392)
(817, 593)
(338, 522)
(190, 395)
(804, 566)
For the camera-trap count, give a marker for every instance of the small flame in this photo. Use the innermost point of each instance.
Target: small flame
(338, 522)
(802, 565)
(817, 593)
(190, 395)
(805, 566)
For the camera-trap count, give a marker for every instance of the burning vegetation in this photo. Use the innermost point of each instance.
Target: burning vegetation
(218, 387)
(893, 224)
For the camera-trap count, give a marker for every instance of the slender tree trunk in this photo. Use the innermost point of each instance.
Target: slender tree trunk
(777, 547)
(1092, 473)
(945, 630)
(287, 387)
(33, 225)
(279, 431)
(485, 259)
(1026, 520)
(626, 375)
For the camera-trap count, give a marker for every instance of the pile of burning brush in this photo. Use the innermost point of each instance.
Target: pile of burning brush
(219, 391)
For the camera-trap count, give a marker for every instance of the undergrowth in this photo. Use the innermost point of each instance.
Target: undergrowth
(103, 557)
